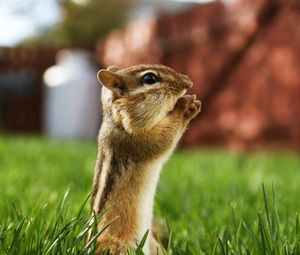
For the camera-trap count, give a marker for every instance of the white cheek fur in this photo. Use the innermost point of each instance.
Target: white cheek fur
(145, 88)
(106, 96)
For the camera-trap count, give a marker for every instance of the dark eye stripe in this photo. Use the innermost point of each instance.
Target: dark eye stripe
(149, 78)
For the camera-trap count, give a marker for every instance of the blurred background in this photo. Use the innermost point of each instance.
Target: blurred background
(243, 56)
(244, 59)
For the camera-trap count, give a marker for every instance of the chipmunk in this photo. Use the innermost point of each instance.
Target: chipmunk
(145, 113)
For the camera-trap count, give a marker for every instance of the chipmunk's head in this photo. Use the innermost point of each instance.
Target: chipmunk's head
(139, 96)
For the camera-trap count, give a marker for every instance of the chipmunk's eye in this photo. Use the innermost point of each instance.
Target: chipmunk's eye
(150, 78)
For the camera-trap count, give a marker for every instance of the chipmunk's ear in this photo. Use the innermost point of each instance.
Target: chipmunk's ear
(110, 80)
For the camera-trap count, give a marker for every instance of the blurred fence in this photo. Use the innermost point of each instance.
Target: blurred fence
(244, 59)
(21, 89)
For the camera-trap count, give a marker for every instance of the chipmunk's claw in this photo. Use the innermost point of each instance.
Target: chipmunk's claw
(193, 110)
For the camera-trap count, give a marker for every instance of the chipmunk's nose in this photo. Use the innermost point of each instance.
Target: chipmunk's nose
(187, 82)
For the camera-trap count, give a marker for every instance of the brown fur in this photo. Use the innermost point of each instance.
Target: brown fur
(142, 125)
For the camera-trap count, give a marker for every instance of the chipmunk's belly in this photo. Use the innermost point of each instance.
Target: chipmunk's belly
(146, 199)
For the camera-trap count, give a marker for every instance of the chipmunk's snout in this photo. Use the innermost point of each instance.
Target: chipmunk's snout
(187, 82)
(183, 83)
(189, 85)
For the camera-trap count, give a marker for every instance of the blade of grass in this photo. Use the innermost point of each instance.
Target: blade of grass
(94, 238)
(142, 242)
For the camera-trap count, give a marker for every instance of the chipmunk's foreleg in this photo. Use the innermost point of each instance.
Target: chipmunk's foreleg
(170, 129)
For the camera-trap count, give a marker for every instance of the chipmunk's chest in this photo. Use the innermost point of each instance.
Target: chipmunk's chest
(145, 201)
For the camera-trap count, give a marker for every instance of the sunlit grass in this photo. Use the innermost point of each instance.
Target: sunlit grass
(208, 201)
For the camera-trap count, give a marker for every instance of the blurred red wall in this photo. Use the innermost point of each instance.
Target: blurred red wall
(244, 59)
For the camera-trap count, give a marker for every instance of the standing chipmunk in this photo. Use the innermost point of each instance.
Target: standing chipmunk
(145, 112)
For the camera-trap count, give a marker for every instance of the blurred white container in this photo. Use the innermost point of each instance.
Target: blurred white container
(72, 97)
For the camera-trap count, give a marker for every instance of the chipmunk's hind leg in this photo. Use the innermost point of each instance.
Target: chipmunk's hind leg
(155, 248)
(111, 246)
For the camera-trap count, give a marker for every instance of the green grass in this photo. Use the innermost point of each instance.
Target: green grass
(207, 202)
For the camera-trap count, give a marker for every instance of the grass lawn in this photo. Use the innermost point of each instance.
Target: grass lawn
(208, 201)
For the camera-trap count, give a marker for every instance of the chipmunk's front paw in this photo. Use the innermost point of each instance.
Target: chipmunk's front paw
(189, 106)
